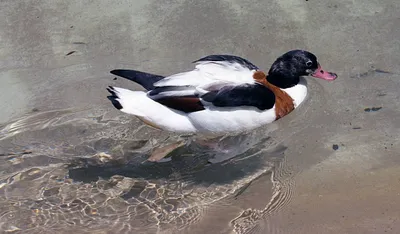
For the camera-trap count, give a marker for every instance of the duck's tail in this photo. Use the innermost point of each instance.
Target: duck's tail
(149, 111)
(146, 80)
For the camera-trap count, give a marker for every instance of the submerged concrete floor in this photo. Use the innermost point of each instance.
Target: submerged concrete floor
(342, 163)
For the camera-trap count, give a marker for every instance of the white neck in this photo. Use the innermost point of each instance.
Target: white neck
(298, 92)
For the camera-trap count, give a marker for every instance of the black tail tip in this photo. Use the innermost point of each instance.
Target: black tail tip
(130, 74)
(116, 72)
(113, 98)
(115, 102)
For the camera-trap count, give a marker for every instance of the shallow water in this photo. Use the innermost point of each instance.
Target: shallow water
(61, 171)
(70, 162)
(68, 169)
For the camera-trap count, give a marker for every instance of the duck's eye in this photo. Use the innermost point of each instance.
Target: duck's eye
(308, 63)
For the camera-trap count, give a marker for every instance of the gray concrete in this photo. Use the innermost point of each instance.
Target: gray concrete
(353, 189)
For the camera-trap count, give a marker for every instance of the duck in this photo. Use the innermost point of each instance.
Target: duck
(222, 94)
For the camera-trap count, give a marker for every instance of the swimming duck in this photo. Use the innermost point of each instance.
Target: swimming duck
(224, 93)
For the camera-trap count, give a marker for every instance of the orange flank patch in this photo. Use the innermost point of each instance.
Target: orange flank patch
(283, 102)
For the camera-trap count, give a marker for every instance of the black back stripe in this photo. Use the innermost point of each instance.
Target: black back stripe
(229, 58)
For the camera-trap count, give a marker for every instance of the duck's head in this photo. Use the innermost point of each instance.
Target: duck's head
(285, 72)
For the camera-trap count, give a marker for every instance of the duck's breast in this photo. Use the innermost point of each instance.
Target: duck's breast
(231, 119)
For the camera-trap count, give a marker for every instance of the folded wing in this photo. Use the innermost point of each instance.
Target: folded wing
(213, 68)
(191, 99)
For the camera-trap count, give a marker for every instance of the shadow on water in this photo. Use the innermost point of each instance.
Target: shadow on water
(228, 160)
(94, 170)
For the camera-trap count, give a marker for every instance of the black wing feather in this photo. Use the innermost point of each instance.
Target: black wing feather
(146, 80)
(255, 95)
(229, 58)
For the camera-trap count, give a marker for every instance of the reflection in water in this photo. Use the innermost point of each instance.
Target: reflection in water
(59, 170)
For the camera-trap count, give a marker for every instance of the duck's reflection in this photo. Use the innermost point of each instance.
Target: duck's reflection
(198, 159)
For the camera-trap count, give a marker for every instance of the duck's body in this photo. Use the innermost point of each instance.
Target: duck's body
(222, 94)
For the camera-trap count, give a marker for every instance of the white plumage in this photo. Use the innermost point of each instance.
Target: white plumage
(208, 72)
(139, 104)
